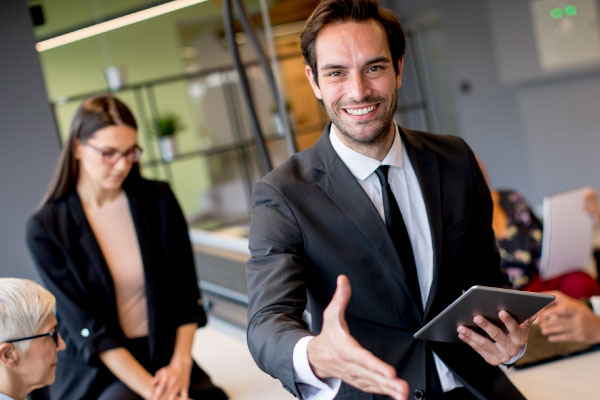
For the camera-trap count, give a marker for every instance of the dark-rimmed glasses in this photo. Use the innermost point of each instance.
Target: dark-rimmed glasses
(112, 156)
(54, 335)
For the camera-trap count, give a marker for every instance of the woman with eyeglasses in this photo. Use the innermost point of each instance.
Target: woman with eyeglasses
(114, 249)
(29, 341)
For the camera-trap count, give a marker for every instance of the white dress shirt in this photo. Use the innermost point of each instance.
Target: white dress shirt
(5, 397)
(407, 191)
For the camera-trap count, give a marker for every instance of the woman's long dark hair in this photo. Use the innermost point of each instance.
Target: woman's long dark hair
(93, 114)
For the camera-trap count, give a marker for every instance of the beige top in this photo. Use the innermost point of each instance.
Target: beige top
(113, 227)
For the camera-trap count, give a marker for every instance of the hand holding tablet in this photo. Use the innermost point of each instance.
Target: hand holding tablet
(494, 322)
(486, 302)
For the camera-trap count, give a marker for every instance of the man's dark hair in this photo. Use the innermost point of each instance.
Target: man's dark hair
(338, 11)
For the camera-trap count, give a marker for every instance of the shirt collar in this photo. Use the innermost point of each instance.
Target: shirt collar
(362, 166)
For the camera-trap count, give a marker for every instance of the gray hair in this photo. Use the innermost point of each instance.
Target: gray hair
(24, 306)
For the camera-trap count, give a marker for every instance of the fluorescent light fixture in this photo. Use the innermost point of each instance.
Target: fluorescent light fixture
(114, 24)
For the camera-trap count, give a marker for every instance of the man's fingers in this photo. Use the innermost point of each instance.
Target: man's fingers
(370, 381)
(496, 351)
(367, 360)
(342, 294)
(492, 330)
(337, 306)
(529, 321)
(512, 326)
(473, 339)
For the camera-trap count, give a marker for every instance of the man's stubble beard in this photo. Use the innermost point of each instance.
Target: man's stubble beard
(379, 135)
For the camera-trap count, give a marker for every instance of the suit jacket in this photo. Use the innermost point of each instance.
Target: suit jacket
(312, 221)
(73, 268)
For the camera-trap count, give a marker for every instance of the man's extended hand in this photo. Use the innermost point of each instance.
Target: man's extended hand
(499, 347)
(569, 320)
(334, 353)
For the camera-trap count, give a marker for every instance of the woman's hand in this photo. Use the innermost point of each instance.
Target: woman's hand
(569, 320)
(591, 205)
(173, 381)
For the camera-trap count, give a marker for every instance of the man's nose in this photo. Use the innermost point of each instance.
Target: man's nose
(358, 87)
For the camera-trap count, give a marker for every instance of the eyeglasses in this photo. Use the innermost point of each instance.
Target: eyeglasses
(112, 156)
(54, 335)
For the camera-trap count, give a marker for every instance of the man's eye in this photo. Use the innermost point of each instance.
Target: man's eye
(376, 68)
(335, 73)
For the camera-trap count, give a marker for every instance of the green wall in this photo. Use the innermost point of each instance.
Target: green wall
(147, 50)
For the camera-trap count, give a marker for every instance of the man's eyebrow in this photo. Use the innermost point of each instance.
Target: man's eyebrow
(381, 59)
(376, 60)
(333, 66)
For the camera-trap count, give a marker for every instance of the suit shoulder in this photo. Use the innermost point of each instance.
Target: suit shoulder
(298, 169)
(49, 214)
(440, 143)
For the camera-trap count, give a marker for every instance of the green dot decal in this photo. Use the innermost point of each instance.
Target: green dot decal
(556, 13)
(571, 11)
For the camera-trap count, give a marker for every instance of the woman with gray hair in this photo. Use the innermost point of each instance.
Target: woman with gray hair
(29, 341)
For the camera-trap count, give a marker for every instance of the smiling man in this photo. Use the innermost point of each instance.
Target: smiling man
(374, 230)
(29, 340)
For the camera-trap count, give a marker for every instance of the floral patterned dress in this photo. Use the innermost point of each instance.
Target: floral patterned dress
(521, 247)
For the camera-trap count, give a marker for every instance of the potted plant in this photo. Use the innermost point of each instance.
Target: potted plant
(167, 126)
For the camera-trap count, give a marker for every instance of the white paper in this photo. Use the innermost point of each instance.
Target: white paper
(567, 237)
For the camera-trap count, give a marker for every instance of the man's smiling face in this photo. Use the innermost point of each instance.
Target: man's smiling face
(357, 80)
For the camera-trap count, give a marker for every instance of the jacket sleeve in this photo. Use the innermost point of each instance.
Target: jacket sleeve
(80, 315)
(187, 302)
(276, 285)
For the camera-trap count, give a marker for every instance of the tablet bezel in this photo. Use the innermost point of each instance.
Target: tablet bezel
(487, 302)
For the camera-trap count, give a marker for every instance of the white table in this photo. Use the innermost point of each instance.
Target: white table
(576, 377)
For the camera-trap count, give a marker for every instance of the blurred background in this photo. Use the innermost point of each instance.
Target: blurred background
(518, 79)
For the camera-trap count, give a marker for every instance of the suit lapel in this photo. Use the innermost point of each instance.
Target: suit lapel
(342, 188)
(426, 168)
(90, 247)
(144, 237)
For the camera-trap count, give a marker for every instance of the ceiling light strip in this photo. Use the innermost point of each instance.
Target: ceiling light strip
(116, 23)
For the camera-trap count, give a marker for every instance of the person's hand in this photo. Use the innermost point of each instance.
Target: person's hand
(173, 381)
(334, 353)
(499, 347)
(591, 205)
(569, 320)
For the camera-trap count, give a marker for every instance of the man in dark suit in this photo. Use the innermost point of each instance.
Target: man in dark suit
(404, 216)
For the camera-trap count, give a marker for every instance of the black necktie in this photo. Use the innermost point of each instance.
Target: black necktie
(399, 234)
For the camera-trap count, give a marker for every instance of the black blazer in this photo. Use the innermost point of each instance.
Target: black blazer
(73, 268)
(312, 221)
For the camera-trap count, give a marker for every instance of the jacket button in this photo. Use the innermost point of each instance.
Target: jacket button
(418, 394)
(85, 332)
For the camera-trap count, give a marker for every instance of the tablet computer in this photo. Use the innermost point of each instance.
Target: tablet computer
(484, 301)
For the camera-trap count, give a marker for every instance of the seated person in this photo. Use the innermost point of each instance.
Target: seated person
(519, 236)
(570, 320)
(29, 341)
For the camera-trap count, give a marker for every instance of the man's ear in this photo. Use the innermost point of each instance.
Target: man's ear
(313, 83)
(400, 69)
(9, 356)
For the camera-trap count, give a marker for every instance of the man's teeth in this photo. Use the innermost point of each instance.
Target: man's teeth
(360, 111)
